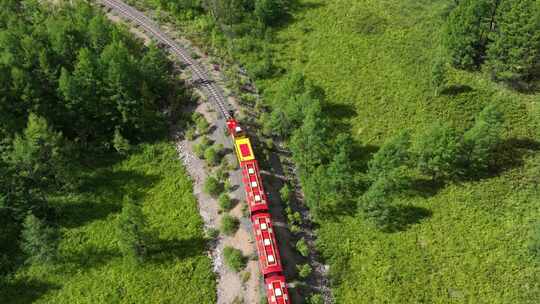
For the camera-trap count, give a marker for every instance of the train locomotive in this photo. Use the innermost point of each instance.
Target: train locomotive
(257, 200)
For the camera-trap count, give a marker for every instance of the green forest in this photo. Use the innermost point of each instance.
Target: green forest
(414, 126)
(94, 205)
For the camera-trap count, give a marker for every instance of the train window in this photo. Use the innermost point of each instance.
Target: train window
(278, 292)
(266, 242)
(271, 259)
(253, 184)
(251, 171)
(263, 226)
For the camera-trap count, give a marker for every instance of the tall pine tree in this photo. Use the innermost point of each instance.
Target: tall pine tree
(514, 54)
(467, 30)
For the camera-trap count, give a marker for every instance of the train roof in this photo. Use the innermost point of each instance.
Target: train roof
(267, 248)
(255, 194)
(276, 290)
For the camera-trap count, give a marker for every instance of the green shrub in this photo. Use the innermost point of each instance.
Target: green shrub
(39, 241)
(225, 202)
(201, 123)
(200, 148)
(316, 299)
(212, 233)
(302, 247)
(285, 193)
(211, 156)
(190, 134)
(227, 185)
(234, 258)
(304, 270)
(229, 224)
(212, 186)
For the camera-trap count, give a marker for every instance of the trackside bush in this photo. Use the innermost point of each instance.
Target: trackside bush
(225, 202)
(229, 224)
(212, 186)
(302, 247)
(234, 258)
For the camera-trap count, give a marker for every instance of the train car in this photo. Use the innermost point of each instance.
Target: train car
(255, 195)
(269, 257)
(276, 290)
(234, 128)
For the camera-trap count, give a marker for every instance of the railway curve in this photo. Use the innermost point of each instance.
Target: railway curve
(200, 76)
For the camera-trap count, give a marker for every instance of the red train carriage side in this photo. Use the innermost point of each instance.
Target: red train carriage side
(255, 195)
(276, 290)
(269, 257)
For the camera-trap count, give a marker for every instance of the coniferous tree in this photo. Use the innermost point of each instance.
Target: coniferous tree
(438, 151)
(37, 156)
(308, 142)
(392, 155)
(39, 242)
(467, 29)
(514, 54)
(269, 11)
(482, 139)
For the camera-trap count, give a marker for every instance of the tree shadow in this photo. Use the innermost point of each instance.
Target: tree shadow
(80, 213)
(161, 251)
(530, 87)
(361, 154)
(91, 257)
(24, 291)
(425, 187)
(454, 90)
(339, 111)
(102, 195)
(404, 216)
(296, 6)
(116, 182)
(511, 153)
(212, 129)
(227, 151)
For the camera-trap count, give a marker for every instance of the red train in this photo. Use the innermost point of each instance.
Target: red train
(267, 248)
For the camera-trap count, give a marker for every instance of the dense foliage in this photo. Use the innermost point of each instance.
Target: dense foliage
(75, 90)
(504, 33)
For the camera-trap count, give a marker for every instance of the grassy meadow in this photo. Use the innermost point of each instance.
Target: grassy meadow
(91, 268)
(468, 243)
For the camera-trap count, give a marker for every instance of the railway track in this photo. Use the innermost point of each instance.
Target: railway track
(200, 77)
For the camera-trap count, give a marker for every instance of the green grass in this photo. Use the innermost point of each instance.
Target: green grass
(91, 269)
(374, 59)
